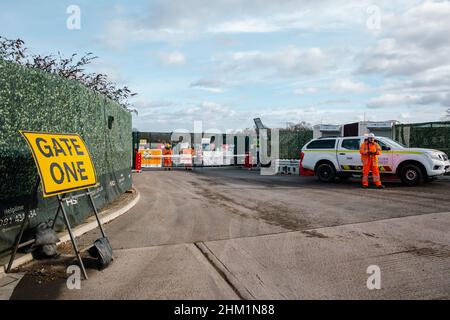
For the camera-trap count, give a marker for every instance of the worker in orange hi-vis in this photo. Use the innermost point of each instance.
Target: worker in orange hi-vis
(191, 153)
(193, 157)
(167, 154)
(370, 150)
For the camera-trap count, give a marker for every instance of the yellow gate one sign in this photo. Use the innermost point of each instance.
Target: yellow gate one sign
(63, 162)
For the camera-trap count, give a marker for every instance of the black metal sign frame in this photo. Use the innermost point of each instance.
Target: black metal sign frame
(61, 208)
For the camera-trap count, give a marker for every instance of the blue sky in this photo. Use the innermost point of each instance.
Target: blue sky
(226, 62)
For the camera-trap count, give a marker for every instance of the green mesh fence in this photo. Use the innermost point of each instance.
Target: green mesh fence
(292, 142)
(433, 135)
(31, 99)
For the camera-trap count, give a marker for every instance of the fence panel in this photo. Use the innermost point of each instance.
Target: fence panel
(292, 142)
(433, 135)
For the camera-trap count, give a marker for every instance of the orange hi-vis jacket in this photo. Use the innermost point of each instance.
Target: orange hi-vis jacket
(369, 156)
(370, 151)
(167, 159)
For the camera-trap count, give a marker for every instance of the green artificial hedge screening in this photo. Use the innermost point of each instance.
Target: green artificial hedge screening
(31, 99)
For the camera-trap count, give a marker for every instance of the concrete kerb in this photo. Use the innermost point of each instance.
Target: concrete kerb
(89, 225)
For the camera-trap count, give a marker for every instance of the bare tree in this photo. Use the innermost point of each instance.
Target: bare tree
(300, 126)
(70, 68)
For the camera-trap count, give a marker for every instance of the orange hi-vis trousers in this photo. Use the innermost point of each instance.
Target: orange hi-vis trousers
(369, 155)
(371, 164)
(167, 153)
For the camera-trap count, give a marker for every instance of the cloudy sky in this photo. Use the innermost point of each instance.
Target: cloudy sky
(227, 61)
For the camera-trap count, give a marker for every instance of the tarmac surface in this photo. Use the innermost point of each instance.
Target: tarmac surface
(234, 234)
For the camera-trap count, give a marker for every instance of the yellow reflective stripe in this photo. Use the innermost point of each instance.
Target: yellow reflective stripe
(402, 152)
(357, 151)
(351, 168)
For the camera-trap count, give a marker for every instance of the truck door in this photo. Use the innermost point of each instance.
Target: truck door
(348, 155)
(385, 160)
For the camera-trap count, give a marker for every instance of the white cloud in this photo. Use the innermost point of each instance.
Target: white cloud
(303, 91)
(172, 58)
(184, 20)
(243, 26)
(120, 32)
(288, 62)
(223, 117)
(271, 23)
(412, 53)
(183, 115)
(412, 42)
(348, 86)
(210, 85)
(151, 107)
(109, 69)
(391, 100)
(396, 100)
(407, 58)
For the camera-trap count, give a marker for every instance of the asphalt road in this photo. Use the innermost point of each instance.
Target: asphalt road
(230, 234)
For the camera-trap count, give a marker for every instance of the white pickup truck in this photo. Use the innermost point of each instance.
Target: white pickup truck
(332, 157)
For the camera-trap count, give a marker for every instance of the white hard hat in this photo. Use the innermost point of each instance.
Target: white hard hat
(371, 135)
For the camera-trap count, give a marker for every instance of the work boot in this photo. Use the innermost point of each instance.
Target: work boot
(365, 187)
(381, 186)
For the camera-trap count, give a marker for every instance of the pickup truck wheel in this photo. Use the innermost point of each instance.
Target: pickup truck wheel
(326, 173)
(411, 175)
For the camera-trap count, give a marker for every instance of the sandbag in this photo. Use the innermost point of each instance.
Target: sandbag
(45, 234)
(46, 240)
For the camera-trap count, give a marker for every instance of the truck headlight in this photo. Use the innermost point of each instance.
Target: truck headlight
(434, 156)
